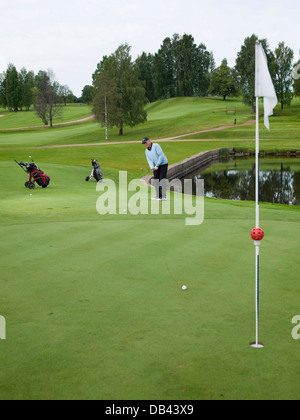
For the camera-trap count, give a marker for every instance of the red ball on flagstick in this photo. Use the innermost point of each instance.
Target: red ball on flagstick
(257, 234)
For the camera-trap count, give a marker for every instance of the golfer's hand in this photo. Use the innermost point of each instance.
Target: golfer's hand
(155, 168)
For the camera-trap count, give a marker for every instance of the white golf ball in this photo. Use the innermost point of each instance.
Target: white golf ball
(184, 288)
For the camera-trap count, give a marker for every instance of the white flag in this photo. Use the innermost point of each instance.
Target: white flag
(263, 83)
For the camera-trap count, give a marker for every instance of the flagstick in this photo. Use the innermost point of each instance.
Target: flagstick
(257, 163)
(264, 88)
(257, 297)
(257, 224)
(257, 243)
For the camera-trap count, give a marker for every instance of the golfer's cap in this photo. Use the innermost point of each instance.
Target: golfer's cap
(145, 139)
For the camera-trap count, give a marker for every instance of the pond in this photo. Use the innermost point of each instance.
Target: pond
(235, 180)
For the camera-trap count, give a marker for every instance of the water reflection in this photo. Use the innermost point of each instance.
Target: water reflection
(235, 180)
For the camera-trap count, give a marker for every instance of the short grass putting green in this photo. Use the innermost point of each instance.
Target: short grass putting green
(93, 304)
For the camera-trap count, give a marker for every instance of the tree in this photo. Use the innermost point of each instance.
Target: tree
(284, 69)
(27, 85)
(163, 71)
(13, 89)
(192, 64)
(105, 104)
(87, 94)
(185, 51)
(245, 67)
(145, 64)
(223, 81)
(130, 91)
(65, 94)
(2, 89)
(296, 77)
(181, 68)
(47, 102)
(203, 60)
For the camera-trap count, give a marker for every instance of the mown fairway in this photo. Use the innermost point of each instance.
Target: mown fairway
(93, 304)
(71, 112)
(165, 119)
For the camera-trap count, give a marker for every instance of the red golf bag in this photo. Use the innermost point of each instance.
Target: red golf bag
(38, 176)
(35, 175)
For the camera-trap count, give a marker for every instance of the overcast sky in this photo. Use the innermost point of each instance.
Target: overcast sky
(71, 36)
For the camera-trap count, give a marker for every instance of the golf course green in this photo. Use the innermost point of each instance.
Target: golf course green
(93, 304)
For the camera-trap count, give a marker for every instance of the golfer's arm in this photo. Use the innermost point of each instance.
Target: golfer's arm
(151, 164)
(160, 155)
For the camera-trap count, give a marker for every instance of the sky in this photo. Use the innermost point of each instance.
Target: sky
(70, 37)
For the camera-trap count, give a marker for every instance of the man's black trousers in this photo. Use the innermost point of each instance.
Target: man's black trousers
(160, 175)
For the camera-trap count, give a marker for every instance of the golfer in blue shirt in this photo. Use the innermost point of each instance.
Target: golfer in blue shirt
(159, 164)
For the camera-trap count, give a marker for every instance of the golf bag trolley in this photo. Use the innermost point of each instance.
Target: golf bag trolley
(36, 175)
(96, 172)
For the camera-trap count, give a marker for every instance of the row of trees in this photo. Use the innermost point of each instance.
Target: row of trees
(17, 89)
(121, 87)
(21, 90)
(281, 69)
(179, 68)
